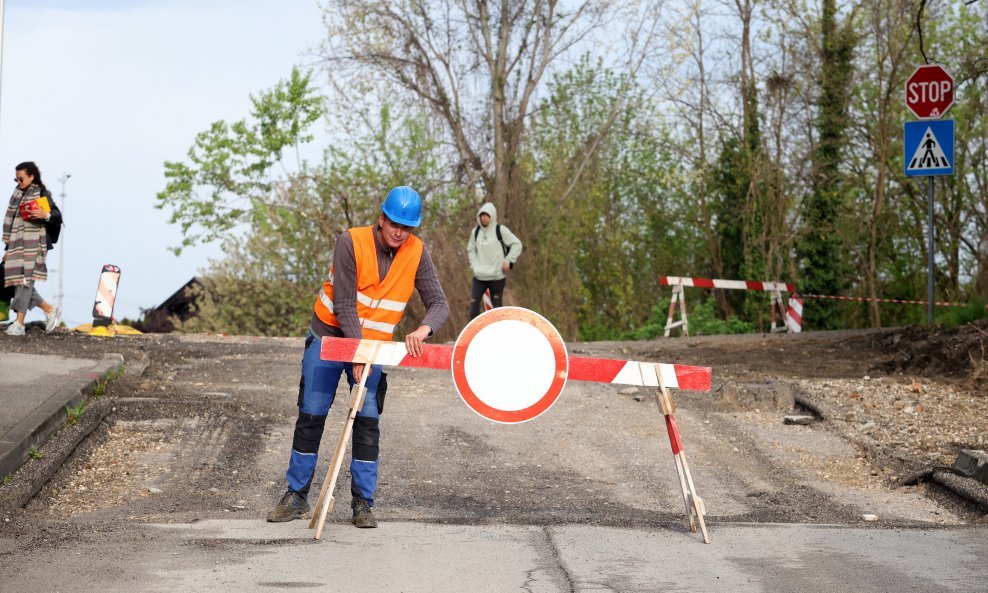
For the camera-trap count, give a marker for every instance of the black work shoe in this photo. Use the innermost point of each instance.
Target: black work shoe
(292, 506)
(362, 515)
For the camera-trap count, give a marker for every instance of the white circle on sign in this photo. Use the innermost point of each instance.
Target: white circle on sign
(509, 365)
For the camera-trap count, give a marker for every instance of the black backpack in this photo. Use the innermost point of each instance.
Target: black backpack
(497, 231)
(53, 229)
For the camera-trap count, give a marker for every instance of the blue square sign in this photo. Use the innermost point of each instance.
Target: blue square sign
(929, 147)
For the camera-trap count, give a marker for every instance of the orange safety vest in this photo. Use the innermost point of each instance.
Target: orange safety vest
(380, 303)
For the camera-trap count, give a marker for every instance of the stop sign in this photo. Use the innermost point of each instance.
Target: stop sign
(929, 92)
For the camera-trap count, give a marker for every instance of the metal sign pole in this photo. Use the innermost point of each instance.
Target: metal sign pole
(929, 280)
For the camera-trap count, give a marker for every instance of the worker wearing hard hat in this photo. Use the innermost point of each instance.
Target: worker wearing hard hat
(374, 273)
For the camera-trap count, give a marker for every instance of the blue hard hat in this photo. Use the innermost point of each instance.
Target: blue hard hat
(403, 205)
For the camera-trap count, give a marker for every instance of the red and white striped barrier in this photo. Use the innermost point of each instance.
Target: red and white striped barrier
(727, 284)
(678, 283)
(488, 303)
(595, 370)
(106, 295)
(794, 317)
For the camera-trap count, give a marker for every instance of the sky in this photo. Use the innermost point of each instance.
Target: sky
(107, 91)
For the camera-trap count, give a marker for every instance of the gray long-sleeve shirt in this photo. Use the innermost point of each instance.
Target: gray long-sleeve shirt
(345, 288)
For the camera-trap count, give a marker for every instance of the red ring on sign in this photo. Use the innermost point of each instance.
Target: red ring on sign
(491, 317)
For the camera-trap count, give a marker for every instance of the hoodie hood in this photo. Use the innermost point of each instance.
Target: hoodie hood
(489, 209)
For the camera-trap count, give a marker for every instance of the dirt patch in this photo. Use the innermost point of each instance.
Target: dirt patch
(958, 353)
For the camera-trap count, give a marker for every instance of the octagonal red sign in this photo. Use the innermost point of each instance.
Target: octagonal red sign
(929, 92)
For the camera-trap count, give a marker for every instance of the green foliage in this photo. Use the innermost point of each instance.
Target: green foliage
(34, 453)
(4, 309)
(99, 389)
(228, 179)
(267, 283)
(821, 248)
(74, 413)
(703, 321)
(609, 188)
(8, 479)
(954, 316)
(601, 249)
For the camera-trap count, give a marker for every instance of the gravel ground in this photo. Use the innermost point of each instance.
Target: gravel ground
(201, 427)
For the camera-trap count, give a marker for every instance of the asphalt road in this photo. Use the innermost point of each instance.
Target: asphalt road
(170, 491)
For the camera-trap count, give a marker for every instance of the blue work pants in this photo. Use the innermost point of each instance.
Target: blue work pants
(317, 390)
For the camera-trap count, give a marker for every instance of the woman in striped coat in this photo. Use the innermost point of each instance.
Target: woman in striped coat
(27, 243)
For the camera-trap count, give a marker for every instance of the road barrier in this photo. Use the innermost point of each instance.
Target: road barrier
(794, 316)
(510, 365)
(780, 321)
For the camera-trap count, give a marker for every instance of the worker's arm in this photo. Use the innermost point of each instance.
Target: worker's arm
(436, 305)
(345, 287)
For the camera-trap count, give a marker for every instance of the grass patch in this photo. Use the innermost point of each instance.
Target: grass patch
(100, 388)
(8, 479)
(73, 414)
(34, 453)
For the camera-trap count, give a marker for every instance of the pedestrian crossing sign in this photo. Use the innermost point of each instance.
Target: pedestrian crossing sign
(929, 147)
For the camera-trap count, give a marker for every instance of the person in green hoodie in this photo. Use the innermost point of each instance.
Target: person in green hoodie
(492, 250)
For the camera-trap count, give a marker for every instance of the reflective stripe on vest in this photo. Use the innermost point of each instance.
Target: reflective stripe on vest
(364, 323)
(380, 303)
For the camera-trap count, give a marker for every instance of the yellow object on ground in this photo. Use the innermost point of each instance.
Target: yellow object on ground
(107, 331)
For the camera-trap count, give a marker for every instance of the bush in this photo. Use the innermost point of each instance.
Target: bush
(702, 318)
(954, 316)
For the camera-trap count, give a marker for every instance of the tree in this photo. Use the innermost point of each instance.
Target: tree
(279, 225)
(228, 180)
(478, 67)
(821, 250)
(602, 253)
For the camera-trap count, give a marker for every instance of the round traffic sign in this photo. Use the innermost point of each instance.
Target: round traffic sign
(509, 365)
(929, 91)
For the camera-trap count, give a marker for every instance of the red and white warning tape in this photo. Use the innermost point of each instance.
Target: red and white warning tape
(597, 370)
(869, 299)
(729, 284)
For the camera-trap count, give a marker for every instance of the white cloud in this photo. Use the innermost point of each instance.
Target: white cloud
(107, 93)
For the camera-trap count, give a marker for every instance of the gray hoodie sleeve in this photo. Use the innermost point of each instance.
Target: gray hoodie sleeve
(513, 243)
(472, 250)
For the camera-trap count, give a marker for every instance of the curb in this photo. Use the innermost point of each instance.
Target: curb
(36, 429)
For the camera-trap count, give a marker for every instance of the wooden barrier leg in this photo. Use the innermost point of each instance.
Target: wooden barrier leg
(682, 311)
(326, 498)
(683, 484)
(678, 295)
(779, 313)
(672, 310)
(694, 504)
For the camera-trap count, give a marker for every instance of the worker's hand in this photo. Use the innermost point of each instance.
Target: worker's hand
(414, 340)
(358, 371)
(506, 266)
